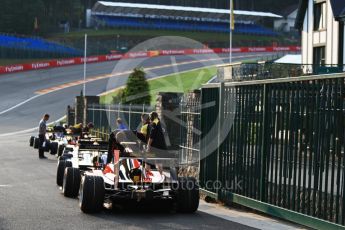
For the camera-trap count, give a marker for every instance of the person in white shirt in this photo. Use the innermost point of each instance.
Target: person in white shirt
(42, 129)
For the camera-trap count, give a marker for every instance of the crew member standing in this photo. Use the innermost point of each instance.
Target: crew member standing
(143, 133)
(42, 129)
(156, 136)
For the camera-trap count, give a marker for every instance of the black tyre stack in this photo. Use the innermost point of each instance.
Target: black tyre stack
(31, 141)
(36, 142)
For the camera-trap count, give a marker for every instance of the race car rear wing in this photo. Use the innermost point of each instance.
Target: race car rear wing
(93, 145)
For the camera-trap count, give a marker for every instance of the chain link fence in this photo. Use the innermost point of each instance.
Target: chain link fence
(104, 117)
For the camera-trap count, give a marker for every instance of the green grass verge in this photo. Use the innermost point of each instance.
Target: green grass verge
(180, 82)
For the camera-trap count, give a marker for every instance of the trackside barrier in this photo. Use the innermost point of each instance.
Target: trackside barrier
(140, 54)
(277, 146)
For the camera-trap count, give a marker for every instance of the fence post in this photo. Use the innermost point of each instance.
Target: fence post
(118, 110)
(129, 116)
(93, 113)
(109, 120)
(220, 134)
(264, 146)
(100, 117)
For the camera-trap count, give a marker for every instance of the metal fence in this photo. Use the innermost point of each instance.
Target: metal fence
(271, 70)
(190, 129)
(279, 147)
(104, 117)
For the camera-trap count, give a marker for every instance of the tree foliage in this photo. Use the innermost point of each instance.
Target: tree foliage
(137, 89)
(119, 97)
(18, 16)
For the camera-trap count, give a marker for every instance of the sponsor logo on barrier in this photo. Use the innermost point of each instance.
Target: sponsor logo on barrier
(90, 59)
(15, 68)
(40, 65)
(202, 51)
(172, 52)
(281, 48)
(153, 53)
(65, 62)
(257, 49)
(136, 54)
(113, 57)
(226, 50)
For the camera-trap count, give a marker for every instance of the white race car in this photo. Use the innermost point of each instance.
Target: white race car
(55, 142)
(135, 175)
(84, 155)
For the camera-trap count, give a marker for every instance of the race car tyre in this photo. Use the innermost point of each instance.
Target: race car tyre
(47, 147)
(36, 143)
(62, 158)
(91, 194)
(60, 150)
(53, 148)
(71, 182)
(61, 170)
(173, 174)
(32, 138)
(187, 195)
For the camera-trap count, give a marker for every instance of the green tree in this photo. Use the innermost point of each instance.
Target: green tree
(119, 97)
(137, 89)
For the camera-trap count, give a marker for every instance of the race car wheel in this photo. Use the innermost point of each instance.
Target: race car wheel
(71, 182)
(61, 170)
(47, 147)
(91, 194)
(32, 138)
(60, 150)
(36, 143)
(53, 148)
(187, 195)
(62, 158)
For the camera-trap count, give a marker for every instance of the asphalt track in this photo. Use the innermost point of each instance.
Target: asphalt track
(29, 198)
(21, 105)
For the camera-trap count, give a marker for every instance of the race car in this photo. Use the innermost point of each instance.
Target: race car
(138, 176)
(51, 144)
(55, 141)
(84, 156)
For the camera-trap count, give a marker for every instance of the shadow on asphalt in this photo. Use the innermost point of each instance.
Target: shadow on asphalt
(158, 215)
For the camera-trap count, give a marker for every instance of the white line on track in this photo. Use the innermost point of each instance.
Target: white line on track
(81, 82)
(34, 97)
(5, 186)
(19, 104)
(29, 130)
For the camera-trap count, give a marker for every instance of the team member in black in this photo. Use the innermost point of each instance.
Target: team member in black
(156, 140)
(88, 128)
